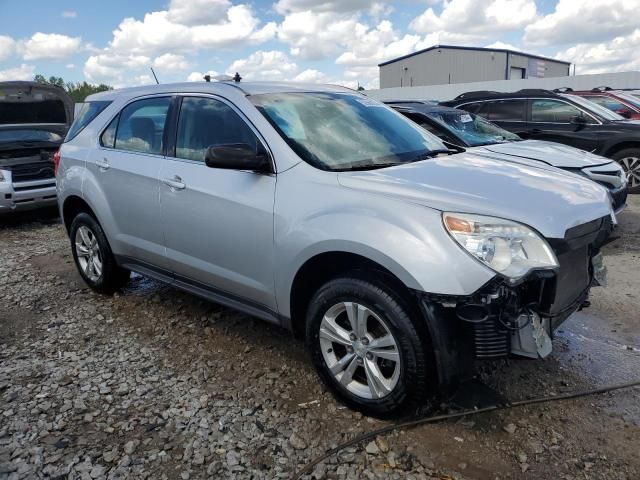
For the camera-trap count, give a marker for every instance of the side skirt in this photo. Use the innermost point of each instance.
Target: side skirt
(204, 291)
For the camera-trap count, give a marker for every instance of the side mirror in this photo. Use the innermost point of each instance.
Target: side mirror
(578, 121)
(237, 156)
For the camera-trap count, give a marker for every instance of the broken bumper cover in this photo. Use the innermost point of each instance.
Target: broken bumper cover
(503, 318)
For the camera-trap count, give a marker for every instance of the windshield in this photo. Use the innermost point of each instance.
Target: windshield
(594, 108)
(343, 131)
(27, 135)
(472, 129)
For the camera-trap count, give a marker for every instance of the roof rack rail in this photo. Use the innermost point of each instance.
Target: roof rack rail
(601, 89)
(477, 93)
(563, 89)
(534, 91)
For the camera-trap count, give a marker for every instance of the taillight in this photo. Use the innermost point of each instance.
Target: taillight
(56, 162)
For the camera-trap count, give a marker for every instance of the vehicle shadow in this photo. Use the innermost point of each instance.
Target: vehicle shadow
(43, 216)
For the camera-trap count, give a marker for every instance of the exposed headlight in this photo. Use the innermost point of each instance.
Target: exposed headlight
(509, 248)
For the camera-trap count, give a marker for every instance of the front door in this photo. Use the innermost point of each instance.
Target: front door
(218, 224)
(552, 120)
(127, 168)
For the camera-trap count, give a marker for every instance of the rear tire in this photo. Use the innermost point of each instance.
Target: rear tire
(629, 159)
(93, 256)
(365, 344)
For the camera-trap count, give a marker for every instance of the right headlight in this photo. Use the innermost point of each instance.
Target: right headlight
(509, 248)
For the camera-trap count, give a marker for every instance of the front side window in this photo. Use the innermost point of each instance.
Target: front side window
(343, 131)
(205, 122)
(503, 110)
(473, 129)
(141, 125)
(553, 111)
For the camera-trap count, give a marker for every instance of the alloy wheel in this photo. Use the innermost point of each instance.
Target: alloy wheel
(88, 253)
(359, 350)
(631, 166)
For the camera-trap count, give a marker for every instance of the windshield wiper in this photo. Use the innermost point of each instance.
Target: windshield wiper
(368, 166)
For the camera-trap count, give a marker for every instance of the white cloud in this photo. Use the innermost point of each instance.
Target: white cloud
(7, 47)
(475, 19)
(114, 69)
(49, 46)
(340, 6)
(170, 61)
(70, 65)
(502, 46)
(199, 76)
(311, 75)
(198, 12)
(69, 14)
(271, 65)
(314, 36)
(159, 33)
(617, 55)
(586, 21)
(23, 72)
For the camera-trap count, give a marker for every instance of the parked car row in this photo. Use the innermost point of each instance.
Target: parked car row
(459, 128)
(398, 258)
(563, 118)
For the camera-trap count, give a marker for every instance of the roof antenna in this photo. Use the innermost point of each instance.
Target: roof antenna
(237, 78)
(154, 76)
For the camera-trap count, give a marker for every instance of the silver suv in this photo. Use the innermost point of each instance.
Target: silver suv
(326, 212)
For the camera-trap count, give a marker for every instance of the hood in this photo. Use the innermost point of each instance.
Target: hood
(31, 105)
(555, 154)
(551, 201)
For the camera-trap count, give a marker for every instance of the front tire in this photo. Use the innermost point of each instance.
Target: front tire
(629, 160)
(93, 257)
(365, 344)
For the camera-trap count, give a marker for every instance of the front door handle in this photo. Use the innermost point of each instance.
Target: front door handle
(103, 164)
(175, 183)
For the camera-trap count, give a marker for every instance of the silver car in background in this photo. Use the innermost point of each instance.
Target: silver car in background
(330, 214)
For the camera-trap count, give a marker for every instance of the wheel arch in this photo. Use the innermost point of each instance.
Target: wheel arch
(613, 149)
(322, 267)
(72, 206)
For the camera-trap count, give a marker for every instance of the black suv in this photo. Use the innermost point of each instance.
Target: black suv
(563, 118)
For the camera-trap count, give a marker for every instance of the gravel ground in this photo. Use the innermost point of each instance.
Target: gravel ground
(156, 383)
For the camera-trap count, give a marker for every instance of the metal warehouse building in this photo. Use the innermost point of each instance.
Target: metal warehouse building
(445, 64)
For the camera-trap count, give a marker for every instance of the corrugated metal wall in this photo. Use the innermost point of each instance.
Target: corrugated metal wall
(447, 92)
(445, 65)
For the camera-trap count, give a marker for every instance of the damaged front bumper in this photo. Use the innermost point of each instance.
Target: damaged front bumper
(503, 318)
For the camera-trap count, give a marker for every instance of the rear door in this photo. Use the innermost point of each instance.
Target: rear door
(551, 120)
(509, 113)
(218, 223)
(127, 168)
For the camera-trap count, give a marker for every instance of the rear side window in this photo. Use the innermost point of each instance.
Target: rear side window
(553, 111)
(108, 137)
(86, 113)
(206, 122)
(141, 126)
(503, 110)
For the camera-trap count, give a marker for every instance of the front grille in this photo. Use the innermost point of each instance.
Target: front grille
(573, 277)
(32, 171)
(490, 339)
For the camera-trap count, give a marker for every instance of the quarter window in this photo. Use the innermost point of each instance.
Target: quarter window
(108, 137)
(553, 111)
(205, 122)
(503, 110)
(141, 125)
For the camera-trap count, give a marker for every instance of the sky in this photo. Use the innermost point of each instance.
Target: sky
(332, 41)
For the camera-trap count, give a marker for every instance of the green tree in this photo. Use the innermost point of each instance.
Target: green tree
(77, 91)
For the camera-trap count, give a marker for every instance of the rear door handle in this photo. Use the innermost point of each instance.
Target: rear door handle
(175, 183)
(103, 164)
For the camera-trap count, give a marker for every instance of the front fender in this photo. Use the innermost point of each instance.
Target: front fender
(407, 239)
